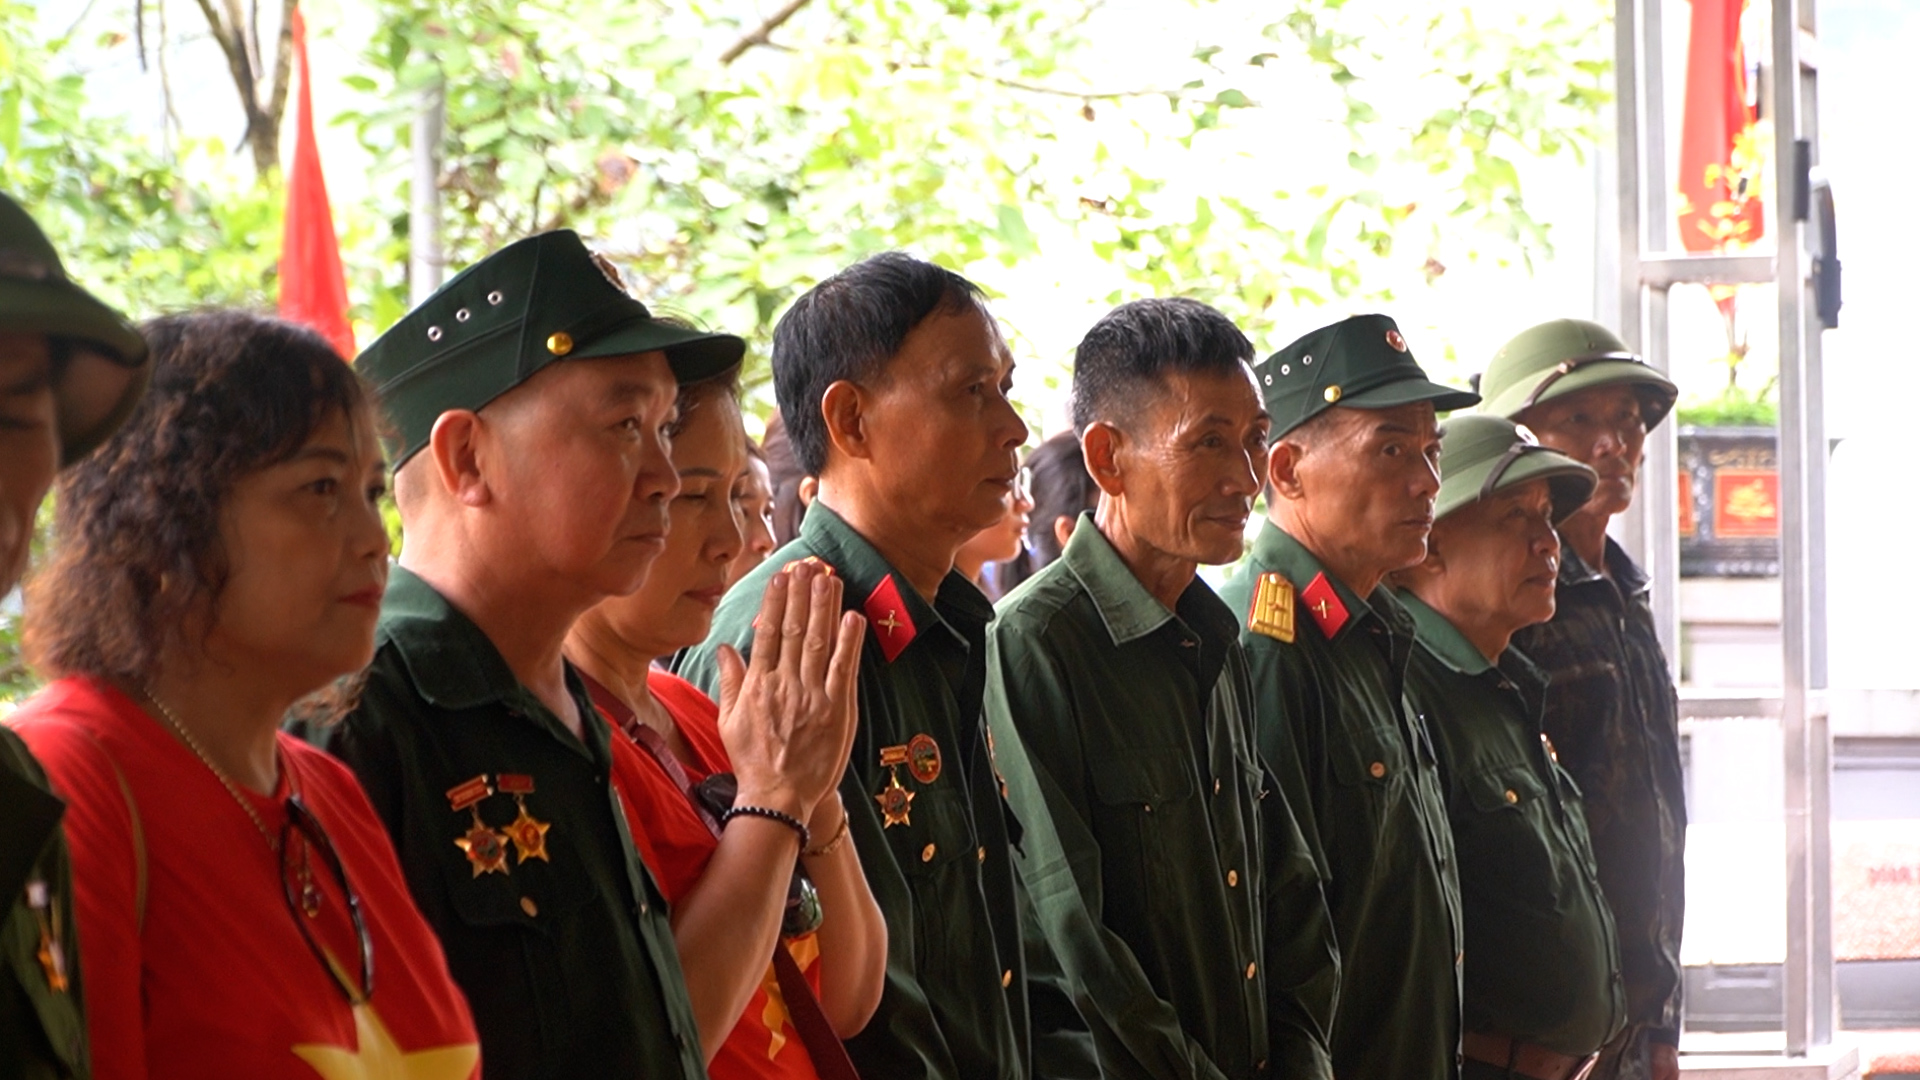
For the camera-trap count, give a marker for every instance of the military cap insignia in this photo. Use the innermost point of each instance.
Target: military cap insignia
(1396, 342)
(610, 272)
(1272, 610)
(486, 849)
(1323, 603)
(923, 758)
(887, 615)
(528, 833)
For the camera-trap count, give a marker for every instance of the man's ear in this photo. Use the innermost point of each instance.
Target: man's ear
(843, 408)
(1063, 530)
(454, 450)
(809, 487)
(1101, 445)
(1283, 470)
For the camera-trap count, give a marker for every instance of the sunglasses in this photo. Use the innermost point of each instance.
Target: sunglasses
(303, 896)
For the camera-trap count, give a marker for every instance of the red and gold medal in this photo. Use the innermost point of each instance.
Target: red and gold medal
(528, 833)
(486, 849)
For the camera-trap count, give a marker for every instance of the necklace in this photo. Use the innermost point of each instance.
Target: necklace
(309, 893)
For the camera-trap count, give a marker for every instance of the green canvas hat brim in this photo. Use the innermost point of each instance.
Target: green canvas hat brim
(1569, 483)
(106, 371)
(1409, 391)
(693, 355)
(1657, 393)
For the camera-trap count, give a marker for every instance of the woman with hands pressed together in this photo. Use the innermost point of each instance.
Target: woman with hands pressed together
(738, 798)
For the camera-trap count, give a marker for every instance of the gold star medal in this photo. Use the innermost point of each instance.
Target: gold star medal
(528, 833)
(486, 849)
(896, 802)
(51, 954)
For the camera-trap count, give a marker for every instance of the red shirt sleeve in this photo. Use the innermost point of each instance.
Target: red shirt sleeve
(108, 871)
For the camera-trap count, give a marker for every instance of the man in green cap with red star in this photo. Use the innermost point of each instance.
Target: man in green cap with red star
(1350, 487)
(71, 369)
(1611, 709)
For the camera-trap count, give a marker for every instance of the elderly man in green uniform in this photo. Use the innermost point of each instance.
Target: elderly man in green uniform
(892, 377)
(1542, 971)
(1350, 489)
(529, 398)
(1121, 706)
(1611, 707)
(70, 371)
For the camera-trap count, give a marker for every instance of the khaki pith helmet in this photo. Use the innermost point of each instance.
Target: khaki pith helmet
(1564, 356)
(1481, 456)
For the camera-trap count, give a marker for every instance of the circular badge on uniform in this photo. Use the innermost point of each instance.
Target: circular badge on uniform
(1394, 339)
(923, 758)
(610, 272)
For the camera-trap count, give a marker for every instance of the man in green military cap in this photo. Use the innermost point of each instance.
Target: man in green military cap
(530, 399)
(70, 371)
(1611, 708)
(893, 379)
(1350, 487)
(1542, 972)
(1121, 705)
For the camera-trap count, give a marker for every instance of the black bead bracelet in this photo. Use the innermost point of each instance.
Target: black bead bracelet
(770, 814)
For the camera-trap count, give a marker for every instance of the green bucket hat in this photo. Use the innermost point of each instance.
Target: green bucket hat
(498, 322)
(1481, 456)
(100, 362)
(1564, 356)
(1362, 363)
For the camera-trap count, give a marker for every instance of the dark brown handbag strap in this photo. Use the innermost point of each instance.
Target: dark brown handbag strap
(829, 1056)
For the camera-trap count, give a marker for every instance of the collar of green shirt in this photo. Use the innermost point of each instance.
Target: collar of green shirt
(1276, 548)
(862, 568)
(1441, 638)
(454, 665)
(1128, 609)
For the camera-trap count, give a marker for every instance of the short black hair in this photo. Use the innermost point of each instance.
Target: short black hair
(847, 328)
(1136, 345)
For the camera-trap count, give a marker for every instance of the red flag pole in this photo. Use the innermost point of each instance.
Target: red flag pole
(313, 284)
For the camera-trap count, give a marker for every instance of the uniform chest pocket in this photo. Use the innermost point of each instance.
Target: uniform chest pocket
(1374, 757)
(1505, 789)
(495, 881)
(1507, 835)
(1147, 803)
(935, 835)
(1148, 779)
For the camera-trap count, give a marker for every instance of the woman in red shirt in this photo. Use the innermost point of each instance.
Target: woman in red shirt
(222, 557)
(727, 909)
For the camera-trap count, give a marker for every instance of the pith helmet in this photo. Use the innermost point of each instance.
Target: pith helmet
(1362, 362)
(1563, 356)
(1481, 456)
(498, 322)
(100, 361)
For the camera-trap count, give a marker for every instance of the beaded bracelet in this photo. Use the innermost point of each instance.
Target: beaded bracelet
(770, 814)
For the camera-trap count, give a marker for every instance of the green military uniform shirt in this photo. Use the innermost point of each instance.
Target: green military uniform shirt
(1542, 965)
(1612, 712)
(936, 855)
(1358, 769)
(568, 962)
(43, 1031)
(1126, 737)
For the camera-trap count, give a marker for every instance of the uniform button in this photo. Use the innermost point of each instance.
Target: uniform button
(981, 853)
(1216, 785)
(1233, 878)
(1006, 978)
(1251, 968)
(926, 853)
(1513, 796)
(1377, 770)
(1148, 807)
(1260, 1066)
(527, 905)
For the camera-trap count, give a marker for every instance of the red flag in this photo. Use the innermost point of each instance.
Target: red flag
(313, 287)
(1719, 163)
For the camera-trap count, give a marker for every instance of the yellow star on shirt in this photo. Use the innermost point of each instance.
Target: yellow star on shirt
(380, 1058)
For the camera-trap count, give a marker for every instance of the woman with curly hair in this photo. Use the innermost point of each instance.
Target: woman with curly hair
(219, 559)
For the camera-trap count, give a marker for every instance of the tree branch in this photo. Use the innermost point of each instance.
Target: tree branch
(1054, 91)
(759, 34)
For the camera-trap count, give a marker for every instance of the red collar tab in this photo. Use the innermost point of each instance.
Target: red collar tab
(1323, 603)
(888, 619)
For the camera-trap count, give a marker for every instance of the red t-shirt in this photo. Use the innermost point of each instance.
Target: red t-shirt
(676, 844)
(193, 964)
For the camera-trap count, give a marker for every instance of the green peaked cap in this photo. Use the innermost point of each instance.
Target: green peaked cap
(101, 362)
(498, 322)
(1563, 356)
(1481, 456)
(1362, 362)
